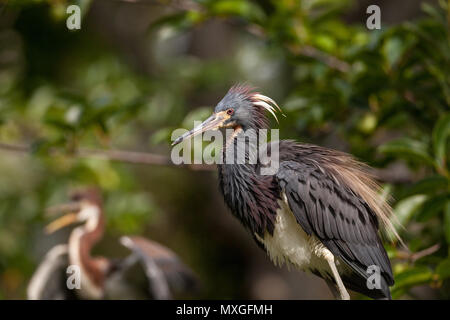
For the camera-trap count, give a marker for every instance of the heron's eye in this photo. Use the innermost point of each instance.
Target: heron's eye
(76, 197)
(230, 111)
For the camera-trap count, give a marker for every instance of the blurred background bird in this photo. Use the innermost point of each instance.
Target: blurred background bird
(320, 211)
(150, 271)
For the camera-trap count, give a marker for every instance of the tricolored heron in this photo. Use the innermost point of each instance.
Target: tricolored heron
(151, 271)
(319, 211)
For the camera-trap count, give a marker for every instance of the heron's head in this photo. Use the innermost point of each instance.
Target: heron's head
(241, 108)
(85, 206)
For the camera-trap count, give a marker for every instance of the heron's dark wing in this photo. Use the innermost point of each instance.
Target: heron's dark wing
(49, 280)
(164, 270)
(342, 221)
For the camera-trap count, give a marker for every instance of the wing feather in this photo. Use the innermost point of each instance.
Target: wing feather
(163, 267)
(49, 280)
(337, 217)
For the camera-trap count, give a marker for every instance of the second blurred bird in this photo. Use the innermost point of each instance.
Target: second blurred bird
(150, 271)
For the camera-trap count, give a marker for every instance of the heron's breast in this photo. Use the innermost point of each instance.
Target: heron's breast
(290, 244)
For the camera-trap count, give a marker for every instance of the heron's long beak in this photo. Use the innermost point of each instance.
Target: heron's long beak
(61, 222)
(214, 122)
(71, 216)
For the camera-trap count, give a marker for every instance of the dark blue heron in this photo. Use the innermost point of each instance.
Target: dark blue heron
(320, 211)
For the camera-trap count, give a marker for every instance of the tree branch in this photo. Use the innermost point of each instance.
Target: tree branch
(414, 256)
(384, 175)
(112, 155)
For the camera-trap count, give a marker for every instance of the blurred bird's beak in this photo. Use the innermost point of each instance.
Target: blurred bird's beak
(67, 219)
(61, 222)
(214, 122)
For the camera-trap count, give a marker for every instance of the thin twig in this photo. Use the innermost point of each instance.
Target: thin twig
(112, 155)
(312, 52)
(393, 175)
(185, 5)
(413, 257)
(14, 147)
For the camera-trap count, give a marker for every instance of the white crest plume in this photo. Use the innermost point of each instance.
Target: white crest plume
(267, 103)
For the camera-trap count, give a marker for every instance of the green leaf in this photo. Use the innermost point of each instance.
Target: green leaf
(367, 123)
(429, 185)
(243, 9)
(433, 12)
(443, 269)
(177, 21)
(162, 135)
(393, 50)
(441, 132)
(431, 207)
(407, 148)
(412, 277)
(406, 208)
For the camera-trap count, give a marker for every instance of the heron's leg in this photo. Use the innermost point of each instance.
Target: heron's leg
(343, 294)
(334, 290)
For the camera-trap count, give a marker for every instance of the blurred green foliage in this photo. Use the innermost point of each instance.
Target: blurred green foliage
(383, 95)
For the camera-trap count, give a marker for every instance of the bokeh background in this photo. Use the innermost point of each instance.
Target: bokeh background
(138, 69)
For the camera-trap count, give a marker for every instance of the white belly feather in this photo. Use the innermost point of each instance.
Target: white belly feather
(291, 245)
